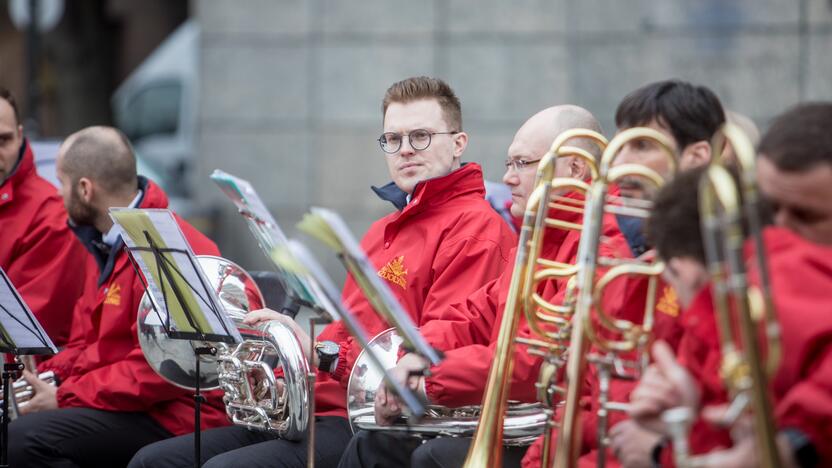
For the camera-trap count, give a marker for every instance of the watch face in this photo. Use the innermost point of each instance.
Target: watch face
(329, 347)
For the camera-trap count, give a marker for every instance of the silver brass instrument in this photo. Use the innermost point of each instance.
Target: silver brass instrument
(21, 391)
(254, 396)
(523, 423)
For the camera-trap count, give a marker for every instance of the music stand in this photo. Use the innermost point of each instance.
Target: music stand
(328, 227)
(295, 257)
(170, 274)
(20, 333)
(266, 232)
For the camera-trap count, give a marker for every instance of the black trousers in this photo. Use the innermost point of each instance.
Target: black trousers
(372, 449)
(80, 437)
(235, 446)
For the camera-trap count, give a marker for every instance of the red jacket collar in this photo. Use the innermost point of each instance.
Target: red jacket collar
(465, 181)
(25, 167)
(153, 197)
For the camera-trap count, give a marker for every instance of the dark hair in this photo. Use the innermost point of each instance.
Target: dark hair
(691, 113)
(103, 154)
(423, 87)
(800, 138)
(673, 226)
(7, 95)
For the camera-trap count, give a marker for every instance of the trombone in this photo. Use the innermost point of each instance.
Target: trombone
(743, 370)
(530, 270)
(590, 292)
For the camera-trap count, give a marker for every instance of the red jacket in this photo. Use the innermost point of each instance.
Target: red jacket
(445, 244)
(468, 331)
(103, 367)
(801, 277)
(37, 248)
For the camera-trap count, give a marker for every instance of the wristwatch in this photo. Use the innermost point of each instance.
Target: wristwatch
(327, 354)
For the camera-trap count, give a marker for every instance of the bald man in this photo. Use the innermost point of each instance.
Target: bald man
(466, 332)
(110, 401)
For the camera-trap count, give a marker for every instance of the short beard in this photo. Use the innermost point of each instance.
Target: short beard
(81, 213)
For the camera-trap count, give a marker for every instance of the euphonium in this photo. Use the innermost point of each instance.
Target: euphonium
(743, 369)
(523, 421)
(253, 396)
(544, 318)
(590, 292)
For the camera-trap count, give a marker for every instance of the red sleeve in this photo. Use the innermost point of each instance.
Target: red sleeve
(61, 363)
(457, 269)
(807, 406)
(42, 273)
(461, 377)
(469, 322)
(139, 387)
(532, 458)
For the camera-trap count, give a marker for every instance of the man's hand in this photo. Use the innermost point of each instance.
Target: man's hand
(664, 385)
(744, 453)
(633, 445)
(257, 317)
(388, 407)
(44, 398)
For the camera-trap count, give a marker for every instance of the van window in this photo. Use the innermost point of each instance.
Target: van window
(153, 111)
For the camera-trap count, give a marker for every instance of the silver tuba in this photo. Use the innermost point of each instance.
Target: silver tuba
(523, 424)
(254, 396)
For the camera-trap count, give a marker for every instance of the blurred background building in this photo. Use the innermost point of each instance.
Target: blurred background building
(287, 93)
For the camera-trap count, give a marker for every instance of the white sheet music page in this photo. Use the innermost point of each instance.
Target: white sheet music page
(139, 229)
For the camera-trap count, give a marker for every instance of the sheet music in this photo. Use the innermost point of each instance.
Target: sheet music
(264, 227)
(20, 332)
(139, 228)
(243, 195)
(331, 229)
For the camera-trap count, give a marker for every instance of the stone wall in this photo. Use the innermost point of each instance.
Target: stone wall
(291, 89)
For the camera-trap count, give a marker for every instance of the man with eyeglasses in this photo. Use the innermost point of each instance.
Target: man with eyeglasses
(442, 243)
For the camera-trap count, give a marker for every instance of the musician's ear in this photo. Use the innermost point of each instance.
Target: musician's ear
(86, 189)
(695, 155)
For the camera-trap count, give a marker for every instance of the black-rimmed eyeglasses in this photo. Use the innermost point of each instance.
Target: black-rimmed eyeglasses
(391, 142)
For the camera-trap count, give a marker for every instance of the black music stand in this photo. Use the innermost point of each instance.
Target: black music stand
(166, 281)
(20, 333)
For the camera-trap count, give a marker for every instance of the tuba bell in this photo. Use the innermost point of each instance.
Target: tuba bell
(255, 397)
(523, 422)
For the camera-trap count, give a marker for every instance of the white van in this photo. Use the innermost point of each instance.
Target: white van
(156, 107)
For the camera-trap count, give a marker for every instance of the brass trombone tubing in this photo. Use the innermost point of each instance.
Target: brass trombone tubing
(569, 436)
(635, 335)
(486, 446)
(724, 241)
(746, 160)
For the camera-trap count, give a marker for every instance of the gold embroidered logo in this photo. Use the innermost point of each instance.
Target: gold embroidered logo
(113, 296)
(395, 272)
(668, 303)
